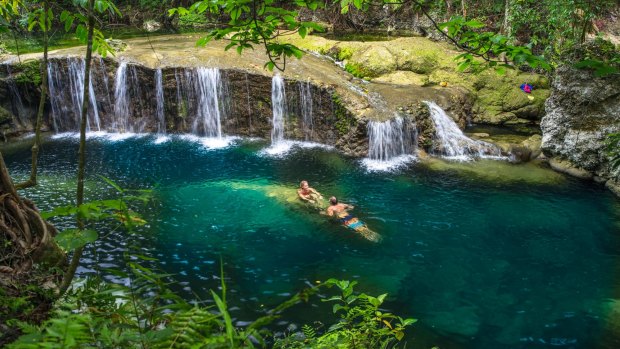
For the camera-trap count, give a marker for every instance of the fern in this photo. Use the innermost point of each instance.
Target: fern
(309, 332)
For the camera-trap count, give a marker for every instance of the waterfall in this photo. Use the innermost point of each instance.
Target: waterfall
(278, 101)
(159, 95)
(66, 116)
(247, 89)
(16, 99)
(207, 85)
(305, 104)
(121, 100)
(390, 139)
(452, 143)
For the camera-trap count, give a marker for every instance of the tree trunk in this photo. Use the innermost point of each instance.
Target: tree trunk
(464, 8)
(25, 237)
(77, 254)
(32, 181)
(506, 27)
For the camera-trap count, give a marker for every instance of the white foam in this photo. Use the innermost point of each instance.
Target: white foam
(282, 148)
(161, 139)
(392, 165)
(66, 135)
(210, 142)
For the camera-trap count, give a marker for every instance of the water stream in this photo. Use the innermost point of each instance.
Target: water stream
(451, 143)
(66, 83)
(278, 102)
(159, 87)
(391, 143)
(305, 106)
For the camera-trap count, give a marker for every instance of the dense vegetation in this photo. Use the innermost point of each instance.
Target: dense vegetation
(504, 34)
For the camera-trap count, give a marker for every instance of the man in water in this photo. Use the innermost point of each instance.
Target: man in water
(308, 194)
(340, 211)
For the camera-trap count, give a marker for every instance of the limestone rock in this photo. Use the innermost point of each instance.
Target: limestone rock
(404, 78)
(570, 169)
(533, 144)
(581, 112)
(117, 45)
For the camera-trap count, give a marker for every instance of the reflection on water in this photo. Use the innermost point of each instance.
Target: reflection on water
(485, 254)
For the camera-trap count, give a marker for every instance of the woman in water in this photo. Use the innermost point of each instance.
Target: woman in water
(308, 194)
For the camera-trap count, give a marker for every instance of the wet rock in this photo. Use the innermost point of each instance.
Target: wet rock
(533, 144)
(117, 45)
(404, 78)
(567, 167)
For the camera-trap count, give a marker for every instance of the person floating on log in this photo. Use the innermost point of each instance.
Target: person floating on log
(308, 194)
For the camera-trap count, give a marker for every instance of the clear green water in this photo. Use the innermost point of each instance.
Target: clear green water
(486, 255)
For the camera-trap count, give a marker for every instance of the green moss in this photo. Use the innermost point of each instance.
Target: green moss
(344, 120)
(344, 53)
(513, 98)
(5, 116)
(28, 72)
(356, 70)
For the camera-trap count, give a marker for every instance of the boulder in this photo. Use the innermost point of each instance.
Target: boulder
(581, 112)
(371, 61)
(404, 78)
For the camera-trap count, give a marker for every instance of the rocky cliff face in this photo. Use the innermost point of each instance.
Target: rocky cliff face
(580, 113)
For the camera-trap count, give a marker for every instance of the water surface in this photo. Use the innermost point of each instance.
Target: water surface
(486, 254)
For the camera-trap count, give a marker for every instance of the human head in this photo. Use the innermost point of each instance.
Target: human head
(333, 200)
(303, 184)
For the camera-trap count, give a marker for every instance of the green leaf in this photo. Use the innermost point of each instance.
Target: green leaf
(110, 182)
(71, 239)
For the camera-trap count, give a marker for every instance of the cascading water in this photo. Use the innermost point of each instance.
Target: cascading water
(391, 144)
(16, 100)
(121, 100)
(247, 89)
(207, 85)
(66, 116)
(452, 143)
(159, 95)
(305, 104)
(278, 102)
(390, 139)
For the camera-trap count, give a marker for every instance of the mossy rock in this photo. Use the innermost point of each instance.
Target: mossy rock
(28, 72)
(313, 43)
(415, 60)
(117, 45)
(372, 61)
(513, 99)
(537, 81)
(5, 116)
(494, 116)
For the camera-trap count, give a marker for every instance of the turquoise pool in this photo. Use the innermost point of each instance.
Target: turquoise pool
(486, 254)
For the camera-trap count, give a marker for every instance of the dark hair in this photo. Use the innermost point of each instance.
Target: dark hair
(333, 200)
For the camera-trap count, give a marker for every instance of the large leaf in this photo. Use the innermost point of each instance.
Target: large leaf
(71, 239)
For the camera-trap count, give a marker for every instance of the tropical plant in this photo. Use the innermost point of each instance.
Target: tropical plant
(613, 149)
(362, 324)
